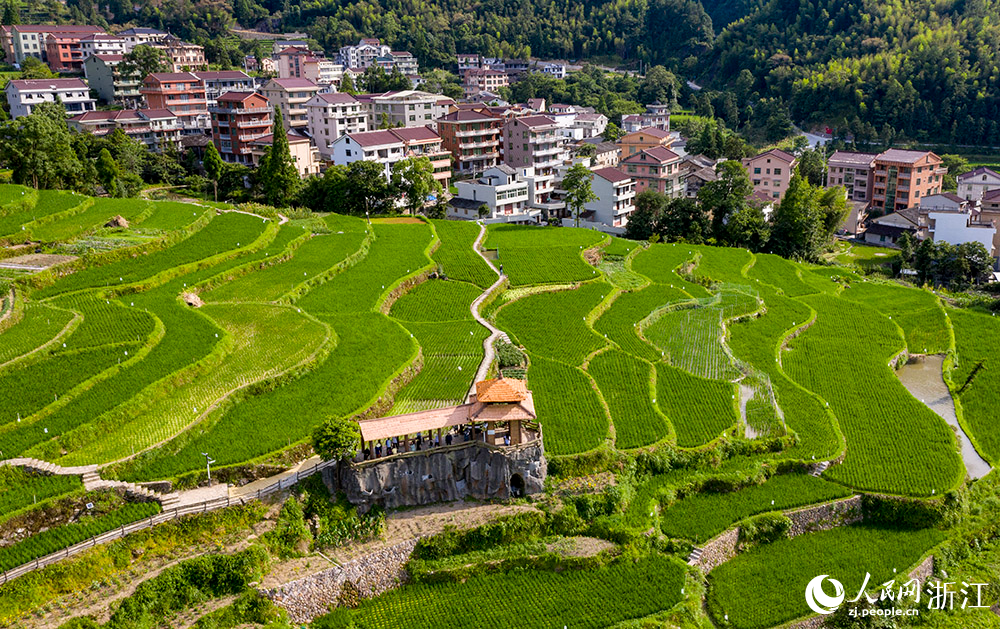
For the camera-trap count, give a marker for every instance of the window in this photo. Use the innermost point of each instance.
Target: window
(777, 171)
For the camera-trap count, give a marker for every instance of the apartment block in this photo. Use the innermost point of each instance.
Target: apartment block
(406, 108)
(29, 40)
(770, 173)
(364, 53)
(902, 178)
(238, 120)
(472, 138)
(468, 62)
(400, 60)
(182, 56)
(25, 94)
(976, 183)
(854, 171)
(657, 169)
(534, 142)
(299, 63)
(646, 138)
(615, 201)
(102, 45)
(156, 128)
(483, 80)
(141, 36)
(182, 93)
(290, 97)
(656, 115)
(218, 83)
(331, 116)
(112, 87)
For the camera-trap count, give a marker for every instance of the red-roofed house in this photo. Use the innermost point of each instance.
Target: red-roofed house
(657, 169)
(483, 80)
(771, 172)
(153, 127)
(238, 120)
(903, 178)
(24, 94)
(650, 137)
(290, 96)
(182, 93)
(977, 182)
(473, 138)
(66, 51)
(299, 63)
(29, 40)
(331, 116)
(390, 146)
(304, 154)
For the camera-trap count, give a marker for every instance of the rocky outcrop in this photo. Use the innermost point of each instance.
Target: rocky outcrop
(442, 475)
(365, 577)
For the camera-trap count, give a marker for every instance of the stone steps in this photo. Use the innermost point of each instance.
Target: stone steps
(694, 556)
(819, 469)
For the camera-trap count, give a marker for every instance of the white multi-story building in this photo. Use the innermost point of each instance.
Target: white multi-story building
(141, 36)
(331, 116)
(975, 183)
(393, 145)
(218, 83)
(99, 44)
(949, 218)
(364, 54)
(408, 108)
(553, 69)
(615, 201)
(291, 96)
(25, 94)
(503, 193)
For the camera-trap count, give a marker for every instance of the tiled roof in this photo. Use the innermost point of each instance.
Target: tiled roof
(903, 156)
(109, 58)
(612, 174)
(292, 139)
(501, 390)
(415, 134)
(523, 410)
(536, 121)
(337, 98)
(173, 76)
(782, 155)
(847, 157)
(656, 132)
(236, 97)
(658, 153)
(122, 114)
(465, 115)
(293, 83)
(991, 195)
(978, 172)
(72, 28)
(374, 138)
(222, 75)
(45, 84)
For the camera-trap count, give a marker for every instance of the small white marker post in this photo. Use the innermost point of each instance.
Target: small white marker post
(208, 466)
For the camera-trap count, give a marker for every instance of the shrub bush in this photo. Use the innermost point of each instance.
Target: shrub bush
(513, 528)
(764, 528)
(509, 355)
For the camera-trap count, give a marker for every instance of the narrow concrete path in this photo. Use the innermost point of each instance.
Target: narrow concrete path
(495, 334)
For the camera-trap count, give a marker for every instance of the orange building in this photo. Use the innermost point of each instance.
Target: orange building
(183, 93)
(238, 120)
(657, 169)
(648, 138)
(902, 178)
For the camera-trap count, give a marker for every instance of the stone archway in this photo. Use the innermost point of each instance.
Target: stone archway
(516, 486)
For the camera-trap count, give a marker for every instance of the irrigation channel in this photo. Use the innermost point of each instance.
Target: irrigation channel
(921, 376)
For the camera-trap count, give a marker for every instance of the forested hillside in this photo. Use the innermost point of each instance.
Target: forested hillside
(880, 70)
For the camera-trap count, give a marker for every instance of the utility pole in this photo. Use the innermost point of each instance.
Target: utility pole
(208, 466)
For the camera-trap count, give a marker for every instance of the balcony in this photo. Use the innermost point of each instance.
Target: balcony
(477, 145)
(553, 150)
(250, 124)
(249, 110)
(250, 137)
(469, 134)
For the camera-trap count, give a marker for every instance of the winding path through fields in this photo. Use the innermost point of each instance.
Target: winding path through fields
(488, 352)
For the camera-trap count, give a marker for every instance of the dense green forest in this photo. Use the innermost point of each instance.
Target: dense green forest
(880, 71)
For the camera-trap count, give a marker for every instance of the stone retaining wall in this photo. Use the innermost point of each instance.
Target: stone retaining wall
(924, 569)
(370, 575)
(725, 546)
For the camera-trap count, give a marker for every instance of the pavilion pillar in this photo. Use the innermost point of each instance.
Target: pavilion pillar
(516, 436)
(406, 443)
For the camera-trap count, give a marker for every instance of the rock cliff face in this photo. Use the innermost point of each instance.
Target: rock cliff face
(444, 474)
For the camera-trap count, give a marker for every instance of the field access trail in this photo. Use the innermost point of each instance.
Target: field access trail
(495, 333)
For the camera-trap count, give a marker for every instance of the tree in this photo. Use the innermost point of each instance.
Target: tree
(483, 211)
(684, 220)
(279, 179)
(38, 150)
(347, 85)
(726, 195)
(32, 68)
(11, 13)
(142, 61)
(213, 166)
(107, 171)
(748, 228)
(812, 166)
(336, 438)
(806, 219)
(956, 165)
(414, 179)
(924, 260)
(579, 192)
(907, 246)
(659, 85)
(612, 132)
(644, 222)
